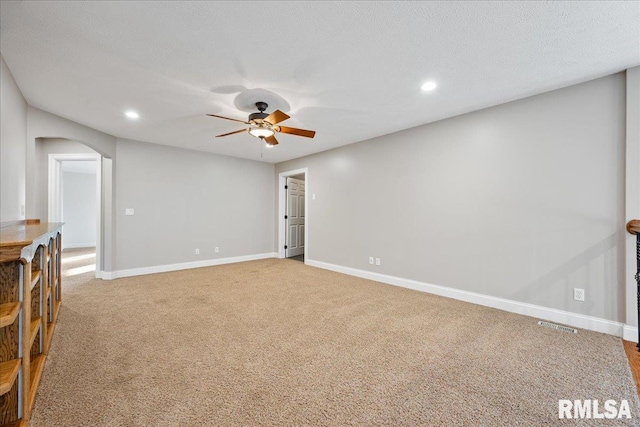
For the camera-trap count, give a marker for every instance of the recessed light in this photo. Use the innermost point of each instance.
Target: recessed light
(132, 115)
(428, 86)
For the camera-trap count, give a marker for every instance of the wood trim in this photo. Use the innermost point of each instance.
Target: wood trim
(26, 341)
(58, 267)
(35, 277)
(633, 226)
(33, 330)
(24, 235)
(8, 374)
(19, 222)
(20, 242)
(37, 366)
(44, 299)
(633, 355)
(8, 313)
(56, 310)
(51, 327)
(32, 250)
(10, 254)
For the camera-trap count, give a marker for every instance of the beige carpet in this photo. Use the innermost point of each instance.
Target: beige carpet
(275, 342)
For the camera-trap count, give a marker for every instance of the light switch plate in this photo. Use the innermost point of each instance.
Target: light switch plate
(128, 211)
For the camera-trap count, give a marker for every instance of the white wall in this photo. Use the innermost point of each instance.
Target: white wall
(632, 172)
(44, 147)
(13, 135)
(41, 124)
(78, 209)
(185, 200)
(523, 201)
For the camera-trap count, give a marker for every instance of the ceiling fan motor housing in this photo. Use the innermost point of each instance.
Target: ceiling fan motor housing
(261, 106)
(263, 129)
(257, 116)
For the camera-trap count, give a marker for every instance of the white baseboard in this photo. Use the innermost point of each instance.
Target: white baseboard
(630, 333)
(559, 316)
(78, 245)
(110, 275)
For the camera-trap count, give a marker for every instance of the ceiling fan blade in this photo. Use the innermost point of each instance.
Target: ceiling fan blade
(276, 117)
(299, 132)
(271, 140)
(227, 118)
(231, 133)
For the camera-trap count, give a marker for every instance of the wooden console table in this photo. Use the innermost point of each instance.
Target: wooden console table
(30, 297)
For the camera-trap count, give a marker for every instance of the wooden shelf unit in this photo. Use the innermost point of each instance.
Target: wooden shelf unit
(37, 366)
(35, 278)
(8, 374)
(8, 313)
(33, 330)
(30, 298)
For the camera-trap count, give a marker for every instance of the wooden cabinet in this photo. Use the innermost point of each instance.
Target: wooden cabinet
(30, 297)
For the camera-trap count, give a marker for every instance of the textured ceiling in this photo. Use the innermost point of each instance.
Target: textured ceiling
(349, 70)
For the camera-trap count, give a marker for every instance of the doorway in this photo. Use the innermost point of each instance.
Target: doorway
(63, 167)
(294, 218)
(293, 223)
(79, 204)
(79, 212)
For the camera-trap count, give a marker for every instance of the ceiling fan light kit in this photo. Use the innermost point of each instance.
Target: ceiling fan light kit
(261, 132)
(264, 125)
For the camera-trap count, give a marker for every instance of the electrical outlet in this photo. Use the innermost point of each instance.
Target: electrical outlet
(129, 211)
(371, 260)
(578, 294)
(197, 251)
(217, 249)
(378, 261)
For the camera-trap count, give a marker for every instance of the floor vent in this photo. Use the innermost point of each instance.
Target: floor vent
(558, 327)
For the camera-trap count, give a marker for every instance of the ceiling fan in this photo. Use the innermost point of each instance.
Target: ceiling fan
(264, 126)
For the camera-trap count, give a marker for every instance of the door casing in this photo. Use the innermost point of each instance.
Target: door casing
(55, 197)
(298, 186)
(282, 200)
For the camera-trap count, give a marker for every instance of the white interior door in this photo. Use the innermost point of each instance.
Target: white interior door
(294, 221)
